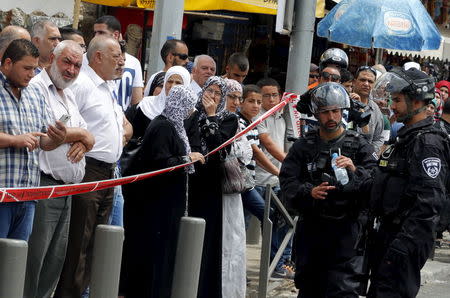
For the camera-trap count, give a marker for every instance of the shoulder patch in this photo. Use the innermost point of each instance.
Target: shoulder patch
(375, 155)
(432, 166)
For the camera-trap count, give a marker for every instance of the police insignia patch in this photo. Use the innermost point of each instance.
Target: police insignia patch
(432, 166)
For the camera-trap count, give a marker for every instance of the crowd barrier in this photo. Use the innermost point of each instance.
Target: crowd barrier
(46, 192)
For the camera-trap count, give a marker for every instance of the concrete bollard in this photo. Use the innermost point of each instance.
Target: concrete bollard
(106, 261)
(254, 231)
(13, 261)
(189, 257)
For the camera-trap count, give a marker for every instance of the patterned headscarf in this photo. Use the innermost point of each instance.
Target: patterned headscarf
(438, 107)
(220, 111)
(179, 105)
(233, 86)
(152, 106)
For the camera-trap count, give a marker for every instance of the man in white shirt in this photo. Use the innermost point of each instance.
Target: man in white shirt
(63, 165)
(204, 68)
(174, 52)
(106, 121)
(130, 87)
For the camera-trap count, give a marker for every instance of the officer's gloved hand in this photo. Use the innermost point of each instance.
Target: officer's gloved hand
(332, 181)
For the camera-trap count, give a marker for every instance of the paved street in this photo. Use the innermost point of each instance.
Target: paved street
(435, 276)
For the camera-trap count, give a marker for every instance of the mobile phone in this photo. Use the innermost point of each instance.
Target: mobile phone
(64, 118)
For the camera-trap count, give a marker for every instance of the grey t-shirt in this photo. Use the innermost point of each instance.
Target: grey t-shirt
(275, 126)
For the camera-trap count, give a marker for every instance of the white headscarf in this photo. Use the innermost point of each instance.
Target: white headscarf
(153, 106)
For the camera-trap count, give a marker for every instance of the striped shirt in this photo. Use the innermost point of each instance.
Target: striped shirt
(18, 166)
(253, 139)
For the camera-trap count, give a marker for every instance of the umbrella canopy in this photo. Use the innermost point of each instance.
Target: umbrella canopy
(389, 24)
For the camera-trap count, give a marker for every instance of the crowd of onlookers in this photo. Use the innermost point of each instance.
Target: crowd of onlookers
(74, 113)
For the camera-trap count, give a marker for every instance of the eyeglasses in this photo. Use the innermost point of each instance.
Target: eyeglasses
(234, 97)
(273, 95)
(313, 76)
(182, 56)
(213, 92)
(334, 77)
(364, 68)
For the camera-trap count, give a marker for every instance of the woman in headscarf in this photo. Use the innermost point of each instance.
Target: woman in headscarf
(213, 126)
(444, 86)
(155, 206)
(233, 237)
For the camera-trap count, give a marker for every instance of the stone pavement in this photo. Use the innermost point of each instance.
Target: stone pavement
(434, 271)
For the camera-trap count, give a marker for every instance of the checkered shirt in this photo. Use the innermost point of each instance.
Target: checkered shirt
(18, 166)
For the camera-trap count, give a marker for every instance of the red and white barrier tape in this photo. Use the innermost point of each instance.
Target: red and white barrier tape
(46, 192)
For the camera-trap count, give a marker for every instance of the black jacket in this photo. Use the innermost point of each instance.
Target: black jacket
(305, 164)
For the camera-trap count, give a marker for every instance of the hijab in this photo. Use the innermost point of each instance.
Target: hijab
(152, 106)
(158, 81)
(178, 106)
(232, 86)
(221, 112)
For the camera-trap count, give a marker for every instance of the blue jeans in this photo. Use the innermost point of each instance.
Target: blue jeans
(279, 230)
(116, 218)
(16, 220)
(253, 204)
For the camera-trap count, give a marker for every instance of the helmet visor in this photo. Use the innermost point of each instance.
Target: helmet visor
(387, 84)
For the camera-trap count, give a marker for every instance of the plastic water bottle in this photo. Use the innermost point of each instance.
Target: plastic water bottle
(340, 173)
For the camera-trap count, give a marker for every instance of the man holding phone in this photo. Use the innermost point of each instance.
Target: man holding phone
(329, 253)
(63, 165)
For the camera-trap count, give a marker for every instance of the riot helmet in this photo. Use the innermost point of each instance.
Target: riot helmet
(329, 96)
(415, 84)
(333, 56)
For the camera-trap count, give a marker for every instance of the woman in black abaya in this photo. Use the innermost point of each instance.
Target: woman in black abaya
(155, 206)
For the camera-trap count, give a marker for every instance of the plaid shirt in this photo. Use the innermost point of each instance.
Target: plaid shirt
(18, 166)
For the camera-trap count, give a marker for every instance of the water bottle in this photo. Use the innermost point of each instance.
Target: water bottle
(340, 173)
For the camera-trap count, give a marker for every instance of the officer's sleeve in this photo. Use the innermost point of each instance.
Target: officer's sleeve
(425, 194)
(296, 191)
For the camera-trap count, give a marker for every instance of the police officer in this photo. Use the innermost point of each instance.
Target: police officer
(328, 263)
(333, 57)
(408, 188)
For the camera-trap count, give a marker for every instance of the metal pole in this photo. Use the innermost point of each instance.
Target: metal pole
(299, 55)
(264, 264)
(167, 24)
(13, 260)
(189, 257)
(106, 261)
(76, 14)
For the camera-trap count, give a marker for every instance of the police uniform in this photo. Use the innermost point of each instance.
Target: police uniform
(444, 220)
(328, 263)
(407, 195)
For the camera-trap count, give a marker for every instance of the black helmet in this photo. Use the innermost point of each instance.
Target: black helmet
(326, 96)
(333, 56)
(412, 82)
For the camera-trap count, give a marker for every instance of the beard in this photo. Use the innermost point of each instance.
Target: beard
(58, 79)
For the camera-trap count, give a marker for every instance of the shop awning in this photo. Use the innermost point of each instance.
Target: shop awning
(443, 53)
(251, 6)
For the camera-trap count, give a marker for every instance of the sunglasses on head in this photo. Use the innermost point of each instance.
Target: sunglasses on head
(334, 77)
(366, 67)
(182, 56)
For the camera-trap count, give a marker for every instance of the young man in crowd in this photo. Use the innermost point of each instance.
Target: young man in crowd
(272, 135)
(250, 107)
(24, 118)
(237, 67)
(174, 52)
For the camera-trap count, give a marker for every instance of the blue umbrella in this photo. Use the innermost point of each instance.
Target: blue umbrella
(388, 24)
